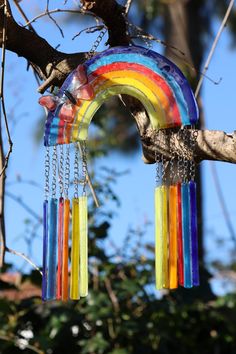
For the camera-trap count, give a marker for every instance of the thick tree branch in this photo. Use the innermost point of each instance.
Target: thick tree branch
(112, 15)
(210, 145)
(54, 66)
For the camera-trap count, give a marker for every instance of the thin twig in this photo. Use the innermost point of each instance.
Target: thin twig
(213, 48)
(22, 255)
(43, 14)
(127, 7)
(112, 295)
(147, 36)
(23, 205)
(4, 34)
(47, 11)
(223, 203)
(89, 30)
(15, 341)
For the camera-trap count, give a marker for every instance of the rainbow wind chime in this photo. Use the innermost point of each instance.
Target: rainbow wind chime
(169, 102)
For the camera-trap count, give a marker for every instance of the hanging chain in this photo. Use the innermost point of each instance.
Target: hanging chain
(96, 43)
(76, 172)
(186, 160)
(67, 172)
(193, 140)
(172, 156)
(47, 173)
(180, 163)
(54, 172)
(158, 160)
(61, 171)
(84, 165)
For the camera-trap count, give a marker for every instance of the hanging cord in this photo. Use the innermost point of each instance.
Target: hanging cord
(61, 171)
(47, 173)
(54, 172)
(76, 172)
(67, 172)
(84, 166)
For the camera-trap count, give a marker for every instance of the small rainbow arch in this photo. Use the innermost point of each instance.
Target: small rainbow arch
(139, 72)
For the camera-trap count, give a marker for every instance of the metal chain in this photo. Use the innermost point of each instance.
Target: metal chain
(193, 137)
(54, 172)
(47, 173)
(76, 172)
(67, 172)
(173, 156)
(186, 137)
(96, 43)
(84, 166)
(61, 171)
(164, 167)
(180, 162)
(158, 160)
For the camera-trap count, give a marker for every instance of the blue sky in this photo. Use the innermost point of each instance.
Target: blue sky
(136, 188)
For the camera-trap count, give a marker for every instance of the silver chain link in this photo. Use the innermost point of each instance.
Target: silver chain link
(47, 173)
(158, 161)
(61, 171)
(180, 163)
(76, 171)
(193, 137)
(67, 172)
(54, 172)
(96, 43)
(84, 166)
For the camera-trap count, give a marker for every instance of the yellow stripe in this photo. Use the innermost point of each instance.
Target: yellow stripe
(165, 237)
(74, 284)
(163, 101)
(158, 237)
(83, 225)
(118, 85)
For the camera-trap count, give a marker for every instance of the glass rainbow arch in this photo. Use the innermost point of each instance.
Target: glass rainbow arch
(139, 72)
(169, 102)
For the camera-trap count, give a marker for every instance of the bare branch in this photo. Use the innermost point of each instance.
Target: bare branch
(213, 48)
(46, 13)
(22, 255)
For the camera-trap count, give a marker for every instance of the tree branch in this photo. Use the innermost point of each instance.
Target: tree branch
(210, 145)
(54, 66)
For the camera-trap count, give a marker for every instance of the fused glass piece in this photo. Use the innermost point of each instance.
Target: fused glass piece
(139, 72)
(50, 102)
(80, 74)
(165, 237)
(186, 234)
(59, 253)
(45, 249)
(85, 92)
(52, 250)
(65, 251)
(180, 237)
(75, 252)
(173, 229)
(194, 233)
(83, 226)
(66, 113)
(158, 237)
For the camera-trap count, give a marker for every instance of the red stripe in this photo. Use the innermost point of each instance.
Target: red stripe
(157, 79)
(180, 240)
